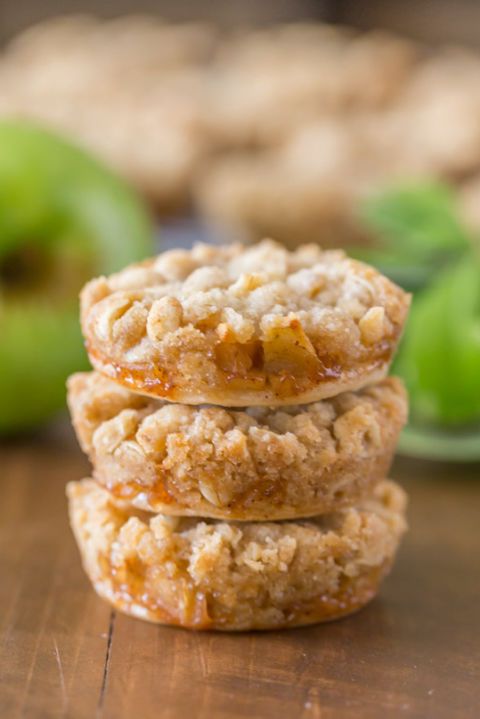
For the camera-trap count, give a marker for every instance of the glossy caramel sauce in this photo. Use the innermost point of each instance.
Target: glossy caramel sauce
(157, 497)
(147, 378)
(155, 494)
(135, 591)
(134, 594)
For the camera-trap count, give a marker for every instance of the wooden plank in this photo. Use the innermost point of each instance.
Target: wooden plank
(63, 653)
(53, 629)
(411, 653)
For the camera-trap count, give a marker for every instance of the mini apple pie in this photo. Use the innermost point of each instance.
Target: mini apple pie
(207, 574)
(256, 464)
(241, 326)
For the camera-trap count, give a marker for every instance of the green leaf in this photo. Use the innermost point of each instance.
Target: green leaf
(417, 231)
(440, 354)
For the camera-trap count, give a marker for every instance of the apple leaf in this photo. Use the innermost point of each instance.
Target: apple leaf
(440, 354)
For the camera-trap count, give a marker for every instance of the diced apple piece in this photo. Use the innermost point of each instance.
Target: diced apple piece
(288, 350)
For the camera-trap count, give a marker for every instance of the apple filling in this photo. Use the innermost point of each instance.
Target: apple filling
(175, 602)
(178, 602)
(285, 362)
(285, 359)
(129, 491)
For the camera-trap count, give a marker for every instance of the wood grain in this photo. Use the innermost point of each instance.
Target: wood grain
(414, 652)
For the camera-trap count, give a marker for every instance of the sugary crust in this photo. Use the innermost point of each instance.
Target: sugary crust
(257, 464)
(241, 326)
(204, 574)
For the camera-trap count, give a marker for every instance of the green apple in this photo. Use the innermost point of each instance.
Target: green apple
(63, 219)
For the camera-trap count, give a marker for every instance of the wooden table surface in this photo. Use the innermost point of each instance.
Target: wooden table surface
(413, 652)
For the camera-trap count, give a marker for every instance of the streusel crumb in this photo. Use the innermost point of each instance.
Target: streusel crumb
(206, 574)
(261, 463)
(241, 326)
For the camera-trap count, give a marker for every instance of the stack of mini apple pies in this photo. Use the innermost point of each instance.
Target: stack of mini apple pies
(240, 425)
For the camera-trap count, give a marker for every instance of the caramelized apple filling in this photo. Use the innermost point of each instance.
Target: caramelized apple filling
(128, 491)
(188, 607)
(237, 360)
(136, 584)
